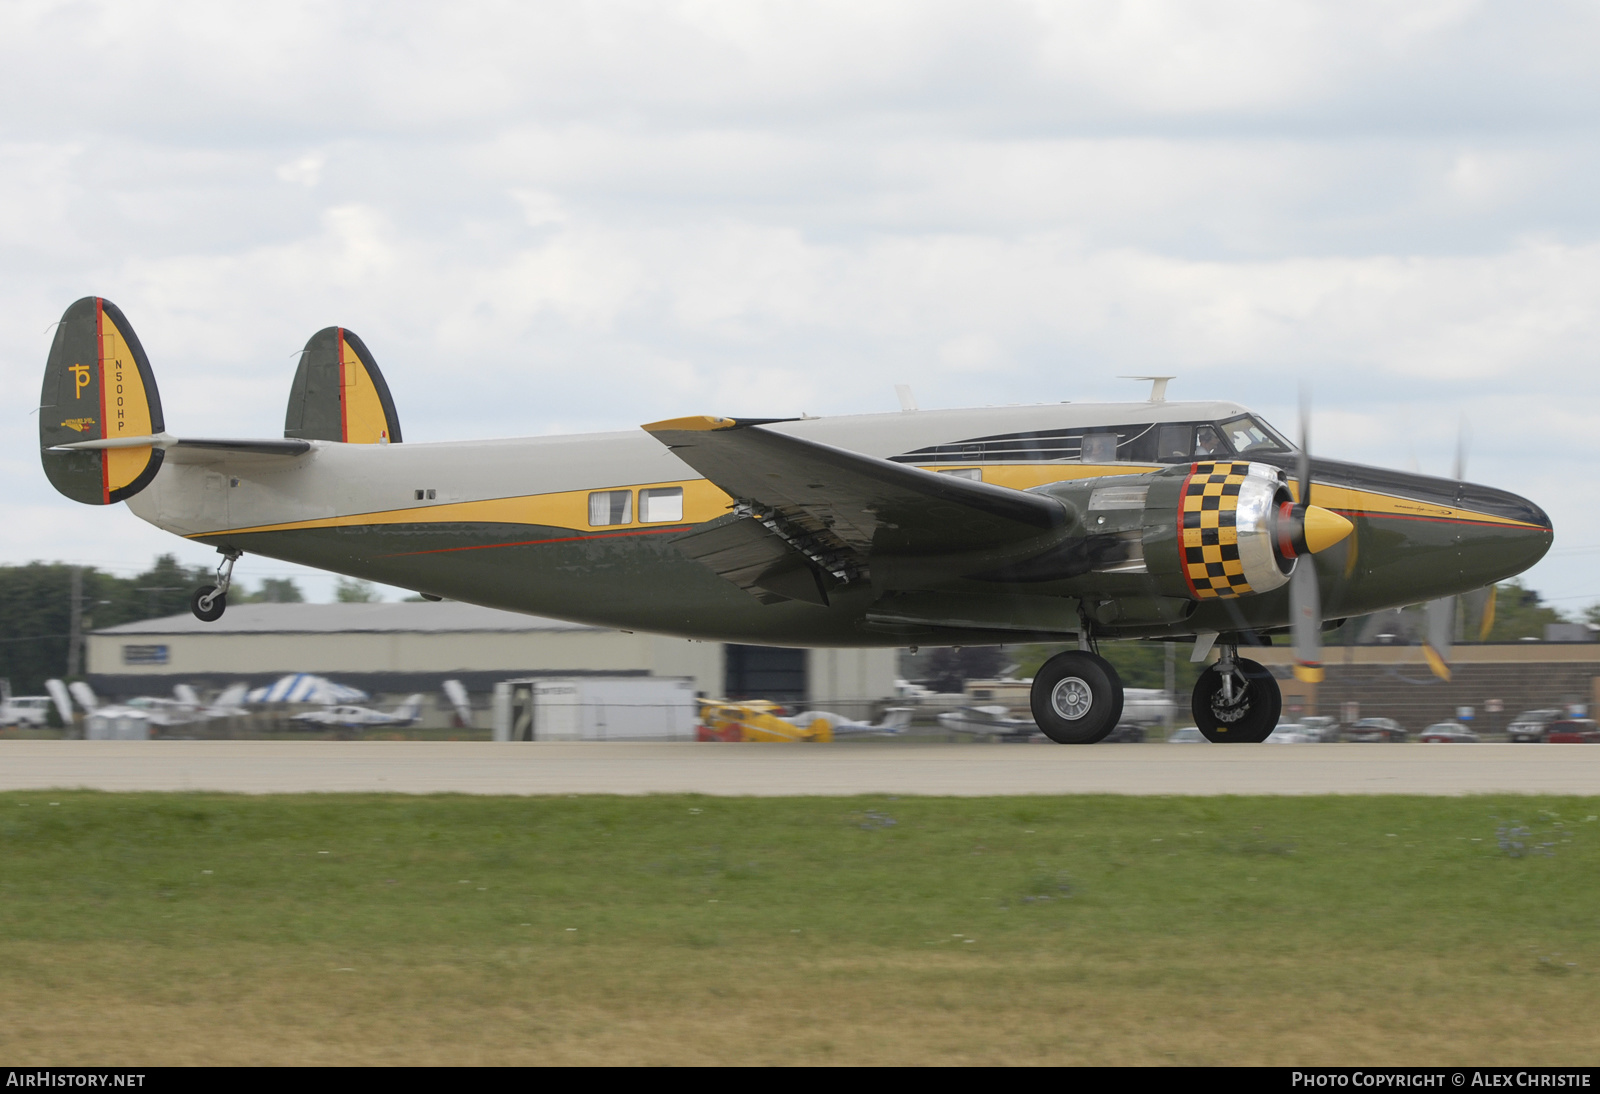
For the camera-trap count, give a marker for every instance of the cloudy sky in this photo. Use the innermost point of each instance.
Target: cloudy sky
(562, 217)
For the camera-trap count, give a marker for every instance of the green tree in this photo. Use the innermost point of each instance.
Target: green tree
(275, 590)
(36, 610)
(162, 590)
(351, 591)
(1519, 613)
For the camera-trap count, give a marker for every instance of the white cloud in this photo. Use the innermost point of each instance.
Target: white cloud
(629, 210)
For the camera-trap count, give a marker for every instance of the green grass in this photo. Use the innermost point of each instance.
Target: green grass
(189, 928)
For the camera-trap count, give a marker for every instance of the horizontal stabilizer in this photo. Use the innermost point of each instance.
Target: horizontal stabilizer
(339, 394)
(166, 442)
(98, 387)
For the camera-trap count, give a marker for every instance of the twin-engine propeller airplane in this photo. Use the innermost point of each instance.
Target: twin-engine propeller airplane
(960, 527)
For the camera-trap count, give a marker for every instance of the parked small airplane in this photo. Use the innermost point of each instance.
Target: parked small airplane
(150, 709)
(961, 527)
(895, 720)
(989, 721)
(354, 717)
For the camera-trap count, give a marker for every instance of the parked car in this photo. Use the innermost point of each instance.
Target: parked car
(1376, 729)
(1323, 726)
(1188, 735)
(1126, 733)
(1292, 733)
(1447, 733)
(1572, 731)
(1530, 725)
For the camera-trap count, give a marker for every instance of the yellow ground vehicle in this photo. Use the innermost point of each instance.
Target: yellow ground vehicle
(755, 720)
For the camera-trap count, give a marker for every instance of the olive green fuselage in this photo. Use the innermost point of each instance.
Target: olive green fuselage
(507, 524)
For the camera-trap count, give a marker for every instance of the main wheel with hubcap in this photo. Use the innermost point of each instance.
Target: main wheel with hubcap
(1253, 712)
(1076, 698)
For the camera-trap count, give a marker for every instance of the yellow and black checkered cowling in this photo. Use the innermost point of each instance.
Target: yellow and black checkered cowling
(1209, 529)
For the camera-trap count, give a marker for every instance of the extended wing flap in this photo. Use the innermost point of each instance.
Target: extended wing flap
(869, 505)
(754, 558)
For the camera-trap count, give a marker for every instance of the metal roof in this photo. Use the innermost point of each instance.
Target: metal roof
(384, 618)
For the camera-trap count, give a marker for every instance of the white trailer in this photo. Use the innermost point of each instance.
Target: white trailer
(595, 708)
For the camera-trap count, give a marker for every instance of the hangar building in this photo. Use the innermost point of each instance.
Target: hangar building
(393, 649)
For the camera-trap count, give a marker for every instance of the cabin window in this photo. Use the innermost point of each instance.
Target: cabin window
(611, 507)
(1208, 442)
(973, 473)
(1099, 448)
(1173, 443)
(661, 504)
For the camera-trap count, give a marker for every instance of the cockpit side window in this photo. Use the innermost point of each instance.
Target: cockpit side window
(1248, 435)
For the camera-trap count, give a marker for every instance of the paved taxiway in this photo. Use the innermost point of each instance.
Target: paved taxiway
(415, 767)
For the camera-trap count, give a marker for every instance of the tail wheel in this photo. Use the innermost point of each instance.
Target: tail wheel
(207, 604)
(1248, 716)
(1077, 698)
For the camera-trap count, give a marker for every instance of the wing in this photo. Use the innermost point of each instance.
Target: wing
(810, 516)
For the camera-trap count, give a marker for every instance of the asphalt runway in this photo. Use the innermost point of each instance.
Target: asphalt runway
(549, 767)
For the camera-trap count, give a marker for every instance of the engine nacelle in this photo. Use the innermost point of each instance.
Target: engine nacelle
(1229, 538)
(1208, 530)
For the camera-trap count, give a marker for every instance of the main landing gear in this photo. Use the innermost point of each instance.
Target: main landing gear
(210, 601)
(1077, 698)
(1236, 700)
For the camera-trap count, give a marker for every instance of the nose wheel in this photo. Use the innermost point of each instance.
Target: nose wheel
(210, 601)
(1236, 701)
(1076, 698)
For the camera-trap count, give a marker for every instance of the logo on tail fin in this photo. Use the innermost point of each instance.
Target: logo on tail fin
(78, 425)
(80, 373)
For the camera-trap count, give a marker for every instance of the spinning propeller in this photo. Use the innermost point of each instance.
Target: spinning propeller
(1305, 529)
(1441, 613)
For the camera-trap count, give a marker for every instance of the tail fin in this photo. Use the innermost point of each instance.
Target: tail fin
(231, 696)
(186, 695)
(458, 699)
(85, 696)
(58, 696)
(98, 386)
(409, 709)
(339, 394)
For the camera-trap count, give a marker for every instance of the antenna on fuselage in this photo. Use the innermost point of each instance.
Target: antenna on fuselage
(1158, 386)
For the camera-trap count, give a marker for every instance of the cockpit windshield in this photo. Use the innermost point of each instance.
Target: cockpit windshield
(1249, 434)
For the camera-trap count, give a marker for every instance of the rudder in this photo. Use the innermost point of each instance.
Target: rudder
(339, 394)
(98, 386)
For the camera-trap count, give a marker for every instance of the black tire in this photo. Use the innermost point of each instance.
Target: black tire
(1250, 719)
(219, 604)
(1076, 698)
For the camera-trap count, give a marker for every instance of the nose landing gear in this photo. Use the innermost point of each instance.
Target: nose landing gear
(1236, 700)
(210, 601)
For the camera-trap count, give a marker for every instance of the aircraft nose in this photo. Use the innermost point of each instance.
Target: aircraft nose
(1504, 534)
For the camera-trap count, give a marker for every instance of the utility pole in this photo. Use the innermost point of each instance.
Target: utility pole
(75, 628)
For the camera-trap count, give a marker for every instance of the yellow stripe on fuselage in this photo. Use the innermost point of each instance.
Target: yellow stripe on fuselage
(564, 509)
(569, 509)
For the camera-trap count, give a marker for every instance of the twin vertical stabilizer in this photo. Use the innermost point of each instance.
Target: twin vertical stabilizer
(339, 394)
(98, 387)
(102, 437)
